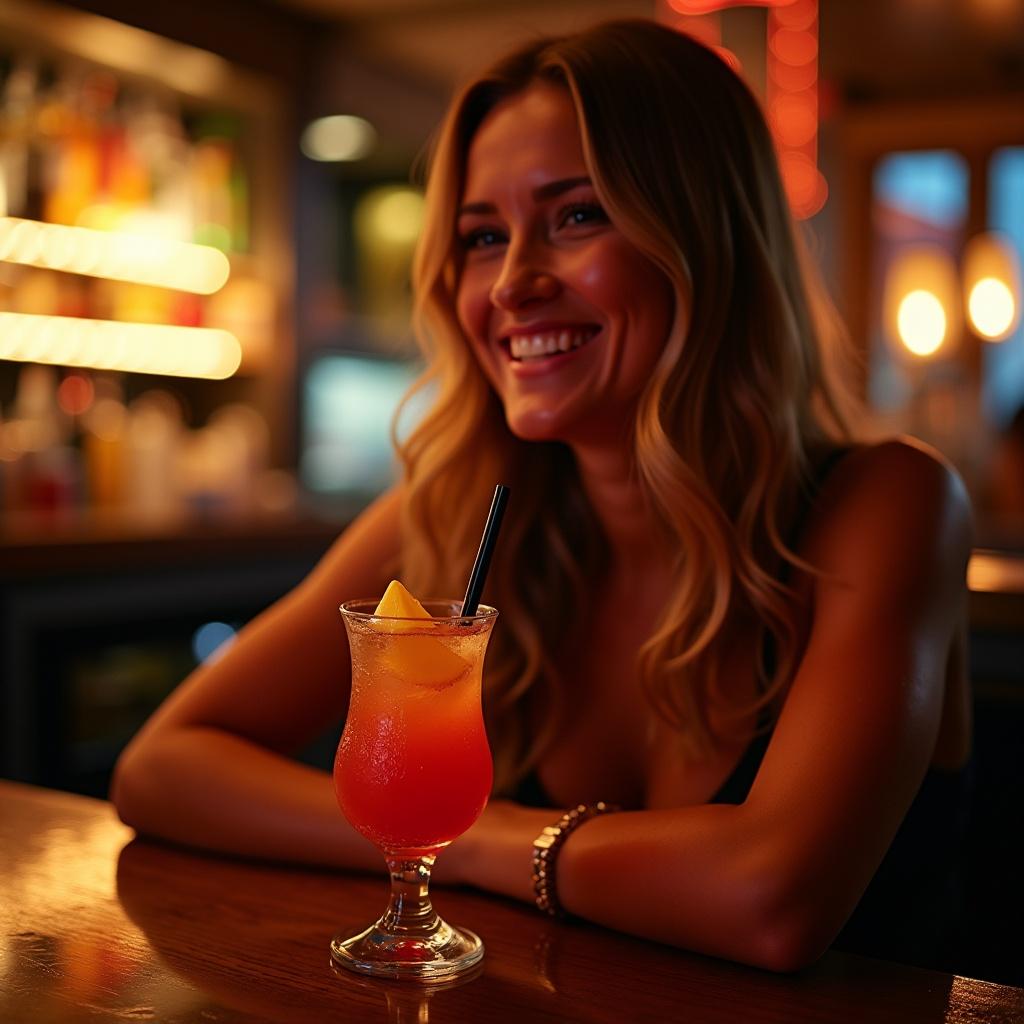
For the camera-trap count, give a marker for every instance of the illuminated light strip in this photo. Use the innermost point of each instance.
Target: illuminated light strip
(108, 345)
(115, 255)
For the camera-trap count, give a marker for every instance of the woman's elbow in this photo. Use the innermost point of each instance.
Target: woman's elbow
(788, 946)
(793, 929)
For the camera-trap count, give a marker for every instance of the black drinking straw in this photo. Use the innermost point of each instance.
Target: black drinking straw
(486, 549)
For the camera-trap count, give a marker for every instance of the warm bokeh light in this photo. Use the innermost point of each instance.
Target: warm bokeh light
(922, 322)
(339, 138)
(921, 301)
(397, 216)
(992, 309)
(794, 118)
(806, 188)
(992, 285)
(118, 256)
(794, 46)
(794, 78)
(75, 394)
(796, 14)
(991, 573)
(108, 345)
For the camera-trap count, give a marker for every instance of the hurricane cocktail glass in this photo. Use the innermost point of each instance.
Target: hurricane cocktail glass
(413, 771)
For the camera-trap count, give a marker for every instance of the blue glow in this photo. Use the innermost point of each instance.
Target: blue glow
(211, 640)
(348, 404)
(1003, 374)
(917, 196)
(929, 185)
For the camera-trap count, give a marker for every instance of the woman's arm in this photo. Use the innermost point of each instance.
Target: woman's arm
(772, 881)
(210, 768)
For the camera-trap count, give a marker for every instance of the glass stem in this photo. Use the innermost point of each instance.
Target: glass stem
(409, 909)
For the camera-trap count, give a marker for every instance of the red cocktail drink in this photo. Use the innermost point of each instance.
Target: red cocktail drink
(413, 770)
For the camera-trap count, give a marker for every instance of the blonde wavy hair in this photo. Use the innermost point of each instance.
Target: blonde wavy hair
(727, 427)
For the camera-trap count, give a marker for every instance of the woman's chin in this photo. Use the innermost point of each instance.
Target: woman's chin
(536, 425)
(587, 427)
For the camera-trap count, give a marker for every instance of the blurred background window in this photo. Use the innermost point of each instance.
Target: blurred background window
(348, 403)
(918, 199)
(1003, 381)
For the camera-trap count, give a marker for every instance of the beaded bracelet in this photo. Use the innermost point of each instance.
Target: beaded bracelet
(547, 846)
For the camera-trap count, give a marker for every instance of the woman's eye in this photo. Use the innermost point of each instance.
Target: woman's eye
(583, 213)
(482, 238)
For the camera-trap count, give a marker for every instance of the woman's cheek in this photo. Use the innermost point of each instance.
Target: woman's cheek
(472, 308)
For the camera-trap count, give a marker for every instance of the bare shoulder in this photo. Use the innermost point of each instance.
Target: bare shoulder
(904, 467)
(899, 499)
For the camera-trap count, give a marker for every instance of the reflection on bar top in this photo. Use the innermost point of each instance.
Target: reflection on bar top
(996, 572)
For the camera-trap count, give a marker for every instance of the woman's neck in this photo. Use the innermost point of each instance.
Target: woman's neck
(612, 487)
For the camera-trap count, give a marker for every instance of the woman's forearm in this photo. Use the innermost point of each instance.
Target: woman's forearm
(704, 878)
(205, 787)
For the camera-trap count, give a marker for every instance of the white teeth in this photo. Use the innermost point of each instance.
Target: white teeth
(536, 346)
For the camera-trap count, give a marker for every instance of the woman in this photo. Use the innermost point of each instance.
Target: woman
(717, 612)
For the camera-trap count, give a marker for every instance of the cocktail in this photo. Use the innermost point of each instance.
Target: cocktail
(413, 770)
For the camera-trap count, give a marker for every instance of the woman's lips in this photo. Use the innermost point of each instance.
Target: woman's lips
(542, 345)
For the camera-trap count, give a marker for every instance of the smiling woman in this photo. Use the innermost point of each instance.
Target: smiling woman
(620, 188)
(550, 290)
(719, 612)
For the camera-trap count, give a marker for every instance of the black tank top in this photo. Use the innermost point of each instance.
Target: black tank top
(911, 905)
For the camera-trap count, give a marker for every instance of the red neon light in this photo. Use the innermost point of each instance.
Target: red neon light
(710, 6)
(794, 46)
(791, 95)
(792, 102)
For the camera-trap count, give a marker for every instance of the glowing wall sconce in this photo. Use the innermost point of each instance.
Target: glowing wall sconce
(925, 297)
(992, 286)
(921, 301)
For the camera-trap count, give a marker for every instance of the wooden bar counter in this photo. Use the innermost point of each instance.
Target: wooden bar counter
(101, 926)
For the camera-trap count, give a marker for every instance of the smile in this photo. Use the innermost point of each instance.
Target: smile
(528, 347)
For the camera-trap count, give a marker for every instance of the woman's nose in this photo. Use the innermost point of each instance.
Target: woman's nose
(522, 282)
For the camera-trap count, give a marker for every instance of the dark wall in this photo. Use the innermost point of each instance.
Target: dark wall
(257, 35)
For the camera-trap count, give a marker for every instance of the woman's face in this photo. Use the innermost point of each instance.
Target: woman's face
(566, 316)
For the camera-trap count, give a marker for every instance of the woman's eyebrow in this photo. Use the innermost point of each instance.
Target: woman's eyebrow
(548, 190)
(556, 188)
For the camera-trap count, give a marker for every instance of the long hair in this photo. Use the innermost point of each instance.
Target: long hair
(740, 398)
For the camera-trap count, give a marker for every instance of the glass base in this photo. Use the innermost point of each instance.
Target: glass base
(439, 955)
